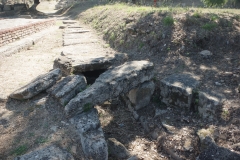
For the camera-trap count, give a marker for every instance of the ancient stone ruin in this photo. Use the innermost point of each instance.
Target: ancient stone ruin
(132, 81)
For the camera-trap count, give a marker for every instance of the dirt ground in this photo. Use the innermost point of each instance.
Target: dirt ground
(27, 125)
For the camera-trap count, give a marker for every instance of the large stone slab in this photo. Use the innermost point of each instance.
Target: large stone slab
(48, 153)
(110, 84)
(209, 102)
(92, 138)
(81, 59)
(177, 90)
(37, 85)
(68, 88)
(141, 95)
(70, 22)
(68, 42)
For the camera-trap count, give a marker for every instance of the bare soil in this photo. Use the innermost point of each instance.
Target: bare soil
(27, 125)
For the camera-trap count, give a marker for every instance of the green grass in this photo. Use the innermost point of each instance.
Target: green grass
(197, 15)
(209, 26)
(168, 21)
(20, 150)
(41, 140)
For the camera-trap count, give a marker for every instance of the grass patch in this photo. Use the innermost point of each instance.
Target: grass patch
(168, 21)
(20, 150)
(197, 15)
(209, 26)
(41, 140)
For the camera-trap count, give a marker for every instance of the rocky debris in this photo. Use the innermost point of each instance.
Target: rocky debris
(111, 84)
(3, 97)
(177, 90)
(212, 152)
(78, 61)
(141, 95)
(208, 104)
(41, 102)
(50, 153)
(117, 149)
(206, 53)
(37, 85)
(68, 42)
(133, 158)
(91, 134)
(68, 88)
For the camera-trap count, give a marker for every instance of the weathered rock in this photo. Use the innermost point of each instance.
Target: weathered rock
(49, 153)
(37, 85)
(208, 104)
(111, 84)
(7, 8)
(80, 59)
(206, 53)
(92, 138)
(177, 90)
(117, 149)
(141, 95)
(214, 152)
(133, 158)
(68, 88)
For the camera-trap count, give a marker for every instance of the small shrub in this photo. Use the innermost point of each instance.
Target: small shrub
(87, 107)
(209, 26)
(168, 21)
(214, 17)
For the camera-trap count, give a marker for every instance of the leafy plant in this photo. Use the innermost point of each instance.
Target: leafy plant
(168, 21)
(196, 15)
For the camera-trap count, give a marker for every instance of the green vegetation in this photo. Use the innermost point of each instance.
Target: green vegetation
(168, 21)
(20, 150)
(41, 140)
(209, 26)
(196, 14)
(212, 3)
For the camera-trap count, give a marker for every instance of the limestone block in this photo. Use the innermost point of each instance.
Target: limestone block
(91, 134)
(110, 84)
(177, 90)
(141, 95)
(208, 103)
(37, 85)
(68, 88)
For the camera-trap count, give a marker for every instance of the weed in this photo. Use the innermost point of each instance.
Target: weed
(237, 17)
(196, 15)
(209, 26)
(168, 21)
(20, 150)
(141, 45)
(225, 114)
(214, 17)
(112, 36)
(87, 107)
(41, 140)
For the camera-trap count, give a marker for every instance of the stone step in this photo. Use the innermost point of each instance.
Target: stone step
(68, 88)
(70, 22)
(91, 134)
(110, 84)
(37, 85)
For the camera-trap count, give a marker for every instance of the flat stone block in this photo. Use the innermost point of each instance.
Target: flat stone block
(68, 88)
(177, 90)
(208, 104)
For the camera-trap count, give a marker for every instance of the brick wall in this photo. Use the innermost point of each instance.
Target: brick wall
(16, 33)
